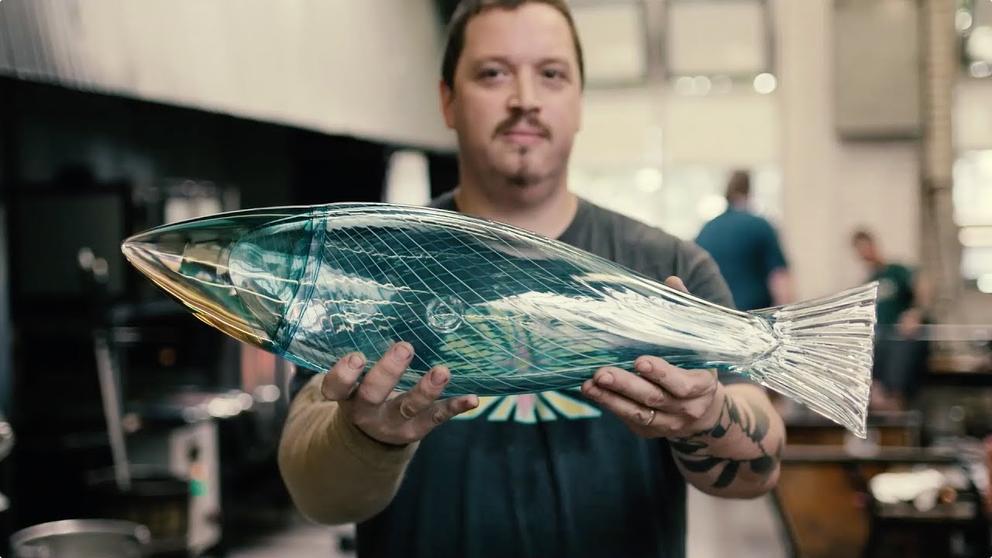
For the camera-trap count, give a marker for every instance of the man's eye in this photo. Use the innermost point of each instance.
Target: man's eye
(491, 73)
(552, 73)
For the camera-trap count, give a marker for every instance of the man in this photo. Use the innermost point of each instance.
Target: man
(599, 472)
(747, 251)
(900, 356)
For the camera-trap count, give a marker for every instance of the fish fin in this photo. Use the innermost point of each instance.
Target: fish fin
(823, 357)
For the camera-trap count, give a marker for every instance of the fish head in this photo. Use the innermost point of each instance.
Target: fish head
(238, 272)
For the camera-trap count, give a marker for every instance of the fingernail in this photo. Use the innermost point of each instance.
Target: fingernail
(643, 366)
(401, 351)
(356, 361)
(437, 378)
(605, 379)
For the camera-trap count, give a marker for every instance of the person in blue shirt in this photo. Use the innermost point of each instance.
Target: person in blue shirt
(747, 250)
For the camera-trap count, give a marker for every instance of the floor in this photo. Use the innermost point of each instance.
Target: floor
(720, 528)
(717, 529)
(302, 539)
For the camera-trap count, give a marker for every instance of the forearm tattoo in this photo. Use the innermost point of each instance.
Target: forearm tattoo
(750, 420)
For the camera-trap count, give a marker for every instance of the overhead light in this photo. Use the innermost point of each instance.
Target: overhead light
(980, 69)
(223, 407)
(722, 84)
(649, 180)
(246, 401)
(979, 45)
(684, 85)
(985, 283)
(266, 393)
(407, 178)
(963, 20)
(698, 85)
(765, 83)
(701, 85)
(975, 237)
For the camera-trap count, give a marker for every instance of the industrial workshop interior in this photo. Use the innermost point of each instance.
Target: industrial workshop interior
(818, 173)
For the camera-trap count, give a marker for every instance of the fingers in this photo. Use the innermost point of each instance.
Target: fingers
(681, 384)
(377, 411)
(423, 395)
(631, 386)
(340, 379)
(676, 283)
(382, 378)
(637, 417)
(400, 431)
(649, 395)
(619, 405)
(422, 409)
(442, 411)
(660, 399)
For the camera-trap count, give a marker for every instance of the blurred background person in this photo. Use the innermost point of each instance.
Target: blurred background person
(746, 248)
(900, 354)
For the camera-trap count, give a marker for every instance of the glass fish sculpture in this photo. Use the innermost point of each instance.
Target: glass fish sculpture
(506, 310)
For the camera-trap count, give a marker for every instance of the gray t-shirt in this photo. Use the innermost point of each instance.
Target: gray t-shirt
(550, 474)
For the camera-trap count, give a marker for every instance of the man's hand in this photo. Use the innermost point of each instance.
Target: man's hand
(660, 400)
(910, 323)
(392, 418)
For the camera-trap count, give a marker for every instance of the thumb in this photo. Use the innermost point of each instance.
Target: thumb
(676, 283)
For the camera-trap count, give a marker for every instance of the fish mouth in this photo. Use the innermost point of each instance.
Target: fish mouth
(210, 265)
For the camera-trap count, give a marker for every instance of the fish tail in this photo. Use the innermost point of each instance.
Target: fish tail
(824, 354)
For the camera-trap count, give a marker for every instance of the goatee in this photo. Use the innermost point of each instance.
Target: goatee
(523, 178)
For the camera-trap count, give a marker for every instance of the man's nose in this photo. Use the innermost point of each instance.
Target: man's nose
(525, 97)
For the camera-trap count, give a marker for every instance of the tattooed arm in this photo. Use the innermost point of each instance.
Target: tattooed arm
(737, 454)
(727, 440)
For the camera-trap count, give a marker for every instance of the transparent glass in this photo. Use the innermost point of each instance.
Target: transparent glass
(506, 310)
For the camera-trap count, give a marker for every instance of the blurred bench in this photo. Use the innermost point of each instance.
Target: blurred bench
(827, 510)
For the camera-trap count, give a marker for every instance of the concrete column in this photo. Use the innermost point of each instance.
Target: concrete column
(832, 187)
(941, 248)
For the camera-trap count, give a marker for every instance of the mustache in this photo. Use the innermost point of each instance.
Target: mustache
(531, 121)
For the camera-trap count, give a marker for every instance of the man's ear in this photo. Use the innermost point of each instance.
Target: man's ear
(447, 98)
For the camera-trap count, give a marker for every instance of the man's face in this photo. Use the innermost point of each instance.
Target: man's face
(865, 249)
(516, 103)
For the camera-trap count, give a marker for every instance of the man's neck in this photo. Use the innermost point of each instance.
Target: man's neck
(548, 217)
(876, 265)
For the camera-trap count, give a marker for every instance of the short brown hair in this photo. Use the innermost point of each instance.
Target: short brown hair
(467, 9)
(862, 235)
(739, 185)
